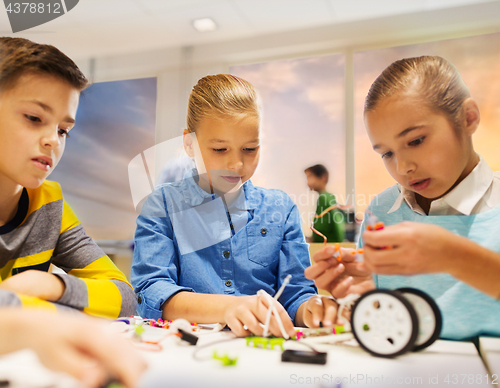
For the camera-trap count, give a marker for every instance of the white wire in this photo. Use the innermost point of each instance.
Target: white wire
(272, 309)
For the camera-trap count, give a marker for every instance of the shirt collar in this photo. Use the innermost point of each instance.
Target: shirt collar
(469, 192)
(463, 198)
(195, 195)
(407, 196)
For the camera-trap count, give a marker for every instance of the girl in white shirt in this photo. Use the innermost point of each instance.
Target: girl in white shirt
(443, 216)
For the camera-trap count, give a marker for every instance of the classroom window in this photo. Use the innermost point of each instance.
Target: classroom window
(115, 122)
(303, 125)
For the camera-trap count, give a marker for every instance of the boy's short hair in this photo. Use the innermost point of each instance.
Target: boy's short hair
(318, 170)
(20, 56)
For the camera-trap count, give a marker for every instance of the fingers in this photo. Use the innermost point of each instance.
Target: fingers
(390, 270)
(80, 346)
(250, 321)
(317, 269)
(320, 309)
(327, 252)
(329, 276)
(347, 255)
(282, 313)
(330, 311)
(237, 327)
(313, 314)
(324, 253)
(389, 236)
(375, 258)
(71, 360)
(113, 353)
(342, 289)
(250, 315)
(363, 287)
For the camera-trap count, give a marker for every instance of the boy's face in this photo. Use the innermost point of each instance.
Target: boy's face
(230, 149)
(419, 146)
(315, 183)
(35, 116)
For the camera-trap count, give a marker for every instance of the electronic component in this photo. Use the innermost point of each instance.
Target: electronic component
(265, 343)
(188, 337)
(304, 357)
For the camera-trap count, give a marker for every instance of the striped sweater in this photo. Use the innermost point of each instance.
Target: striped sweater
(45, 230)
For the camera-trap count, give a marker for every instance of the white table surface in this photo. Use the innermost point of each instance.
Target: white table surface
(490, 351)
(443, 361)
(174, 366)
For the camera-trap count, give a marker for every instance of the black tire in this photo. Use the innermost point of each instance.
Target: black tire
(412, 315)
(437, 315)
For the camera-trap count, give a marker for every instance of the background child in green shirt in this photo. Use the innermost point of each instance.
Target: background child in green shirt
(332, 224)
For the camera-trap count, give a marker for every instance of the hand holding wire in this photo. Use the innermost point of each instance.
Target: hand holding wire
(248, 314)
(272, 308)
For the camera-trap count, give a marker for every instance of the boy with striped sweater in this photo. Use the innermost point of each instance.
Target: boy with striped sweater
(39, 94)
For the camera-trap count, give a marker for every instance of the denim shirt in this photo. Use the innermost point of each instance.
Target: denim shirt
(188, 240)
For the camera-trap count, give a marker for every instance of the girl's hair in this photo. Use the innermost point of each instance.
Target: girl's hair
(20, 56)
(222, 95)
(435, 80)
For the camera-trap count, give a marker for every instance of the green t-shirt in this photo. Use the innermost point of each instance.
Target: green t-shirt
(332, 224)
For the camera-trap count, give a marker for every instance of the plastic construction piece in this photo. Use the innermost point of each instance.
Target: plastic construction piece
(319, 332)
(305, 357)
(384, 323)
(377, 226)
(188, 337)
(265, 343)
(225, 359)
(113, 384)
(138, 331)
(358, 254)
(127, 320)
(429, 317)
(337, 253)
(388, 323)
(160, 323)
(373, 224)
(372, 221)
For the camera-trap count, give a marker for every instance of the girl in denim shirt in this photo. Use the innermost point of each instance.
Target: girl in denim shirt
(206, 245)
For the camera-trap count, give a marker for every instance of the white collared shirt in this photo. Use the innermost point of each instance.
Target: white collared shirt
(477, 193)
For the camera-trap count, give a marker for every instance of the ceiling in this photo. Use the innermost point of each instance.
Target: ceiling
(96, 28)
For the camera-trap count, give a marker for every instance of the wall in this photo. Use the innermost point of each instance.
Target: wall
(178, 69)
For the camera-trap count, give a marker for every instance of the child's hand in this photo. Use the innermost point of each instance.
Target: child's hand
(39, 284)
(319, 309)
(250, 311)
(415, 248)
(83, 347)
(339, 279)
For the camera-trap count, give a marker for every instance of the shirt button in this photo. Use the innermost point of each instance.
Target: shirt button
(263, 231)
(139, 300)
(228, 283)
(227, 254)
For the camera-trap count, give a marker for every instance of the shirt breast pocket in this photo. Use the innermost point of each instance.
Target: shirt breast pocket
(264, 243)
